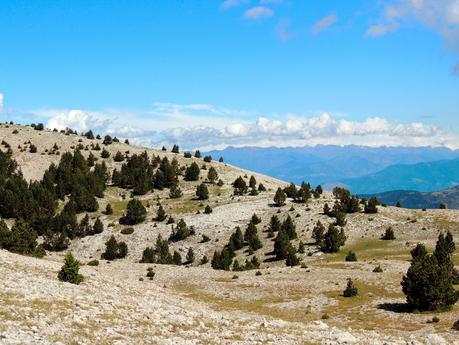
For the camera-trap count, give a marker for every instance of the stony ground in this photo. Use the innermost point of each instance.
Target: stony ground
(117, 304)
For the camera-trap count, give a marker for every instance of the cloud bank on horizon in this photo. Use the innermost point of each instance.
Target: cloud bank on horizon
(160, 126)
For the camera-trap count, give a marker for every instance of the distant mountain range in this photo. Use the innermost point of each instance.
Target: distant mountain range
(363, 169)
(422, 177)
(414, 199)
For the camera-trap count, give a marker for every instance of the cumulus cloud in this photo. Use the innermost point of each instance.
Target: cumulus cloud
(324, 23)
(1, 102)
(258, 12)
(440, 16)
(188, 126)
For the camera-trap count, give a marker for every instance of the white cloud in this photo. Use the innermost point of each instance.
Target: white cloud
(189, 126)
(233, 3)
(440, 16)
(258, 12)
(324, 23)
(1, 102)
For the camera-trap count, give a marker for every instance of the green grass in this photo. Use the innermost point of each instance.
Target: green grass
(372, 249)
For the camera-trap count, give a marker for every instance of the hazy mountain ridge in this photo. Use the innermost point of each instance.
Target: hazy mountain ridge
(331, 164)
(419, 200)
(421, 177)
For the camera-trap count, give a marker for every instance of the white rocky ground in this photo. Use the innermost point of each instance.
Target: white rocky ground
(198, 305)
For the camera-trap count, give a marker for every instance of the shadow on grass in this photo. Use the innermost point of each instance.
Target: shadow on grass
(396, 307)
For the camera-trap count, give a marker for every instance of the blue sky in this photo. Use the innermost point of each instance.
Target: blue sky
(138, 69)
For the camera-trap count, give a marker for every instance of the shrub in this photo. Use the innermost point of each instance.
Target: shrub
(351, 290)
(388, 234)
(205, 239)
(207, 159)
(93, 263)
(108, 209)
(351, 257)
(208, 210)
(127, 231)
(150, 273)
(70, 271)
(456, 325)
(378, 269)
(33, 148)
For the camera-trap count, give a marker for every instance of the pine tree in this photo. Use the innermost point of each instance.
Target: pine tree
(279, 197)
(70, 270)
(175, 149)
(212, 175)
(428, 285)
(301, 247)
(333, 240)
(371, 206)
(119, 157)
(104, 153)
(192, 172)
(190, 256)
(292, 259)
(202, 192)
(318, 233)
(240, 186)
(389, 234)
(136, 213)
(161, 214)
(197, 154)
(289, 227)
(351, 290)
(281, 245)
(98, 227)
(340, 219)
(111, 249)
(236, 240)
(177, 258)
(108, 209)
(274, 224)
(148, 256)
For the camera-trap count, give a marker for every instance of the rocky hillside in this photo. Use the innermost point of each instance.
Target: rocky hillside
(191, 302)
